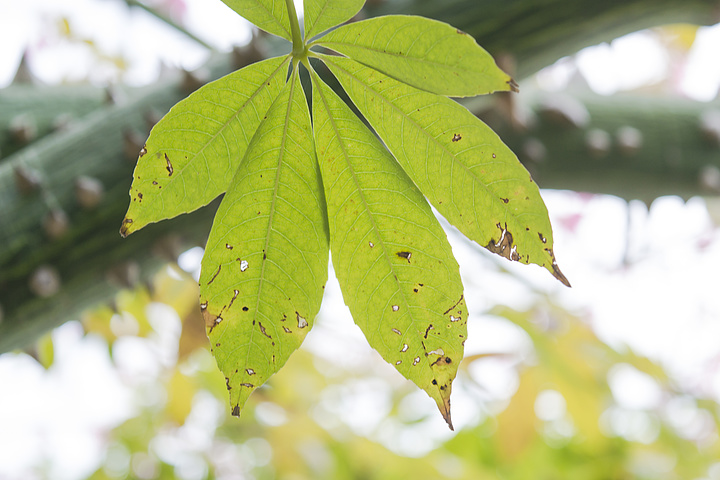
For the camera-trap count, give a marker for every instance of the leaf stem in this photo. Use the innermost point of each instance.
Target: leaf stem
(298, 45)
(168, 21)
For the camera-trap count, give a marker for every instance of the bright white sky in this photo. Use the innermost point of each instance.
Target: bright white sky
(664, 303)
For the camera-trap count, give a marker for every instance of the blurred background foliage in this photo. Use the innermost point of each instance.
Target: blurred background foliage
(563, 421)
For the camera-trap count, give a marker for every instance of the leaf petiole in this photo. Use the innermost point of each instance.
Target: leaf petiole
(298, 50)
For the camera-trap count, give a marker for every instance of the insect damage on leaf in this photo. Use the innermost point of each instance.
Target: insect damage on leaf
(169, 166)
(504, 246)
(296, 188)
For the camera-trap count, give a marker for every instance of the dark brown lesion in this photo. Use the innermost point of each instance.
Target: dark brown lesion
(216, 274)
(263, 331)
(125, 227)
(504, 246)
(456, 137)
(454, 306)
(169, 166)
(427, 330)
(556, 270)
(405, 255)
(235, 295)
(211, 321)
(441, 361)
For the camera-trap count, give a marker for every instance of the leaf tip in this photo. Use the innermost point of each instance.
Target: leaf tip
(514, 87)
(559, 275)
(125, 228)
(555, 270)
(445, 412)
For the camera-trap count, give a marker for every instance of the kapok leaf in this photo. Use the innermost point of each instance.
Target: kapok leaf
(458, 162)
(323, 14)
(265, 263)
(269, 15)
(194, 151)
(391, 256)
(427, 54)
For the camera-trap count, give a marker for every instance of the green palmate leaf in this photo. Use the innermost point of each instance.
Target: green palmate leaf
(424, 53)
(323, 14)
(269, 15)
(194, 151)
(265, 264)
(391, 256)
(458, 162)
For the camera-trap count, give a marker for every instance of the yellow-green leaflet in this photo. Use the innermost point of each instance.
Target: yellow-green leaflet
(391, 256)
(269, 15)
(265, 263)
(321, 15)
(193, 151)
(427, 54)
(458, 162)
(297, 188)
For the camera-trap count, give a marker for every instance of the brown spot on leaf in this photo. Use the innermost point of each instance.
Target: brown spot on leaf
(228, 246)
(211, 321)
(542, 238)
(169, 166)
(249, 371)
(556, 271)
(245, 309)
(453, 307)
(302, 323)
(504, 246)
(143, 151)
(262, 330)
(125, 227)
(236, 411)
(505, 200)
(405, 255)
(235, 295)
(216, 274)
(248, 385)
(514, 87)
(442, 361)
(427, 330)
(456, 137)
